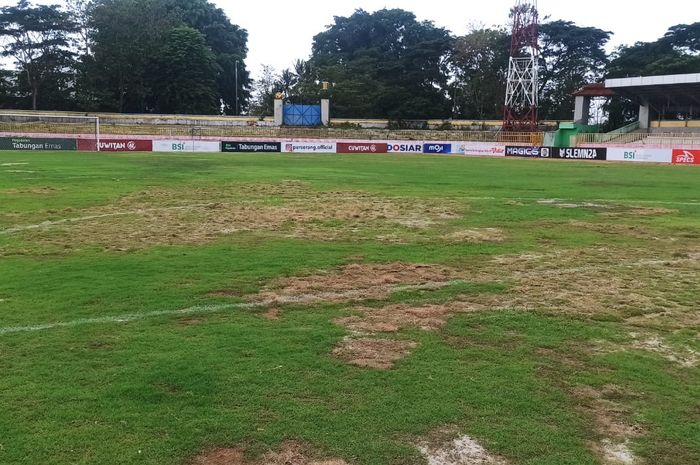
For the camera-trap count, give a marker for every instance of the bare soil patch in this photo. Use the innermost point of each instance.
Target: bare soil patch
(290, 453)
(372, 353)
(460, 451)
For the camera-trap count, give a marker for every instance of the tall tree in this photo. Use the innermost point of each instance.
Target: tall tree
(570, 57)
(228, 43)
(479, 65)
(126, 41)
(38, 39)
(185, 71)
(384, 64)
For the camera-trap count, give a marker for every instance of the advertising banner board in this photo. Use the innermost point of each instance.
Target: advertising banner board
(264, 147)
(437, 147)
(570, 153)
(580, 153)
(186, 146)
(686, 157)
(483, 148)
(115, 145)
(528, 152)
(639, 155)
(362, 147)
(405, 147)
(309, 147)
(29, 143)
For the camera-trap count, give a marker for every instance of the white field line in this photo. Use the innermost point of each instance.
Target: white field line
(48, 224)
(204, 309)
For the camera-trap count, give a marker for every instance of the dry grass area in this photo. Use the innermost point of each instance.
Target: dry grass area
(380, 354)
(355, 282)
(612, 422)
(196, 216)
(290, 453)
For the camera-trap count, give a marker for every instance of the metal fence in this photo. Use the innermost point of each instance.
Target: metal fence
(64, 126)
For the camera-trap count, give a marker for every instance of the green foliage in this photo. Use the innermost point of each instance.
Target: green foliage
(383, 64)
(185, 66)
(570, 57)
(479, 66)
(37, 38)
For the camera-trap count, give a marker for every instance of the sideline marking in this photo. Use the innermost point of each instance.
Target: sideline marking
(213, 308)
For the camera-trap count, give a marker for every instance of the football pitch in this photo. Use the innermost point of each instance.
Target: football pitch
(212, 309)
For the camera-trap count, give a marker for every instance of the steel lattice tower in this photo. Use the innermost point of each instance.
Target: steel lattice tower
(520, 110)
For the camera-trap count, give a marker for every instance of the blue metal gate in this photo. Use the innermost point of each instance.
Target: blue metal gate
(302, 115)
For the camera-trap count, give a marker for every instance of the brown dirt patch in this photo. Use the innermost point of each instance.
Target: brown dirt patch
(272, 314)
(194, 216)
(290, 453)
(221, 456)
(476, 236)
(372, 353)
(392, 318)
(355, 282)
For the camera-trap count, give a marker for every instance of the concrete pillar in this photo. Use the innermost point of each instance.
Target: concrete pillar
(582, 110)
(279, 111)
(325, 111)
(644, 115)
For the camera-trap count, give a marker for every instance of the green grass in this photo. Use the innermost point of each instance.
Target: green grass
(157, 391)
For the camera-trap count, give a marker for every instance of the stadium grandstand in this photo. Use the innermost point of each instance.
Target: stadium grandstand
(669, 110)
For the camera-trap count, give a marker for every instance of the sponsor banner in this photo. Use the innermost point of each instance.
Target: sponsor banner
(186, 146)
(482, 148)
(265, 147)
(437, 147)
(531, 152)
(686, 157)
(639, 154)
(29, 143)
(309, 147)
(580, 153)
(115, 145)
(404, 147)
(362, 147)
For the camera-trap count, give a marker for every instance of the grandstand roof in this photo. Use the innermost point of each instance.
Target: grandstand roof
(675, 90)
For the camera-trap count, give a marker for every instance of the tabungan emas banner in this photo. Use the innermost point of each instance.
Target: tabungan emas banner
(30, 143)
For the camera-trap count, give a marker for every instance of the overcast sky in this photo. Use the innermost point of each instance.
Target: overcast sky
(281, 31)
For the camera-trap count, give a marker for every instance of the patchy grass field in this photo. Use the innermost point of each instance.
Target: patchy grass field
(211, 309)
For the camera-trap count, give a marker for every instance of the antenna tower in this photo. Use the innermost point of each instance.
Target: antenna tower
(520, 110)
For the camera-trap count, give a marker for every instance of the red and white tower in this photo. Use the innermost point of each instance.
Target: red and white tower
(520, 110)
